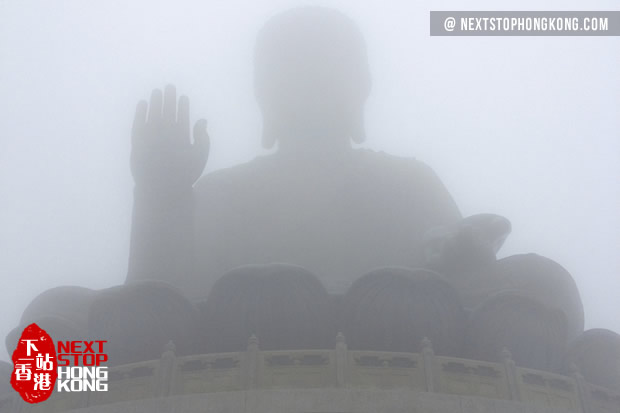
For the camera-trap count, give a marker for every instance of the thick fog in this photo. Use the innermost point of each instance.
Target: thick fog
(524, 127)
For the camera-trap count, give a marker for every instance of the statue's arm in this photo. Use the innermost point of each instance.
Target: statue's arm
(165, 163)
(438, 198)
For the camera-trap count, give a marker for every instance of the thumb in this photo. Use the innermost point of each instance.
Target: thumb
(201, 137)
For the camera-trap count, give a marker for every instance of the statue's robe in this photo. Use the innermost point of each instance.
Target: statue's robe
(338, 217)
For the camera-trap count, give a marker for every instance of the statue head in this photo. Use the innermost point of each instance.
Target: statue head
(311, 79)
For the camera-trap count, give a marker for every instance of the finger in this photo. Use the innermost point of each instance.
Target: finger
(170, 105)
(139, 121)
(183, 117)
(155, 107)
(201, 138)
(200, 152)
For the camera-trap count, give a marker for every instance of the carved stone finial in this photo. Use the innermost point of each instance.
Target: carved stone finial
(253, 342)
(340, 338)
(574, 370)
(505, 354)
(426, 344)
(170, 346)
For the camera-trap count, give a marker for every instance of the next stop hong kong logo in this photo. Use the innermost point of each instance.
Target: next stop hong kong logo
(39, 366)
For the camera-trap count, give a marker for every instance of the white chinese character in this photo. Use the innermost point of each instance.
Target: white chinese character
(30, 346)
(22, 372)
(44, 364)
(42, 381)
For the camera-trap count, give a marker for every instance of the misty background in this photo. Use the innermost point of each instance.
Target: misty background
(525, 127)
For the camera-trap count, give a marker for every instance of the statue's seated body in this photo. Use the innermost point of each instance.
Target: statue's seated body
(339, 217)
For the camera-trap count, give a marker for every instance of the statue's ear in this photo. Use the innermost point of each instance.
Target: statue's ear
(269, 137)
(270, 124)
(358, 133)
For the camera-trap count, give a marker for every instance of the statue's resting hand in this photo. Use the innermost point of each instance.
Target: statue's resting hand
(163, 157)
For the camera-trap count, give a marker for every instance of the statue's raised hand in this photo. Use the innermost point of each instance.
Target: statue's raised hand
(163, 156)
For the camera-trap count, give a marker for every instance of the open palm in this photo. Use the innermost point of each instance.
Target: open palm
(162, 152)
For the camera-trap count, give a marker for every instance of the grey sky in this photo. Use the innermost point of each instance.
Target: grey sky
(525, 127)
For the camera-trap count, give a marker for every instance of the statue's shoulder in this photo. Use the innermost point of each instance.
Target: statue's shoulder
(403, 166)
(412, 180)
(233, 177)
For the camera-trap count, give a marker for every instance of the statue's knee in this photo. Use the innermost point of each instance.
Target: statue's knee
(596, 355)
(61, 311)
(534, 333)
(139, 319)
(394, 309)
(285, 306)
(546, 281)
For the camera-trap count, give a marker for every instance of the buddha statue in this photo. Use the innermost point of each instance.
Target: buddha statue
(316, 201)
(318, 237)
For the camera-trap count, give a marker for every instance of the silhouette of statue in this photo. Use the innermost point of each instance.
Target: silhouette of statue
(317, 202)
(270, 247)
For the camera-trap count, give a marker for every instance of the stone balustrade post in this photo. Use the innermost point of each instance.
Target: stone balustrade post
(510, 369)
(582, 391)
(341, 360)
(167, 370)
(250, 370)
(429, 364)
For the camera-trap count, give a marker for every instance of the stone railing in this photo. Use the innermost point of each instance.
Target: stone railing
(255, 369)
